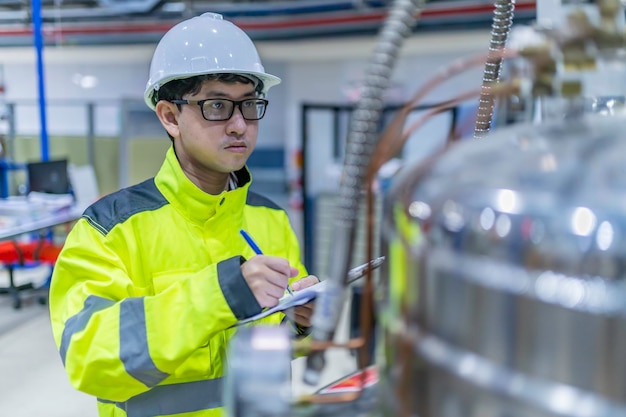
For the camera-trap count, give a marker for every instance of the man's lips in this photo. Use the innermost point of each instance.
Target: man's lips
(237, 147)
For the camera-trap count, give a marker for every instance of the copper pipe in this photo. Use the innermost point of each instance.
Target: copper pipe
(367, 301)
(329, 398)
(361, 140)
(308, 345)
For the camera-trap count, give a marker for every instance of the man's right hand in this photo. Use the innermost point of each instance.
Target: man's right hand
(267, 277)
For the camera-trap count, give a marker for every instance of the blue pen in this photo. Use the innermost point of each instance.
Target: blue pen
(251, 242)
(256, 249)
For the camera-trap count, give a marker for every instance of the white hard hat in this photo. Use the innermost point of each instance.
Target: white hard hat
(205, 44)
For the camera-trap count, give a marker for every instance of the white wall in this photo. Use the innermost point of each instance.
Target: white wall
(70, 73)
(329, 73)
(321, 71)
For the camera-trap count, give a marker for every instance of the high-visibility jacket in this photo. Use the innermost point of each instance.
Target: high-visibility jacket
(148, 286)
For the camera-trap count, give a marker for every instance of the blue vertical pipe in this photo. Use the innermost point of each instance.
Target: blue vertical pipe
(38, 38)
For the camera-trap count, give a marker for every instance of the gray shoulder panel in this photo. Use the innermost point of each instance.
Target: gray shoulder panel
(119, 206)
(259, 200)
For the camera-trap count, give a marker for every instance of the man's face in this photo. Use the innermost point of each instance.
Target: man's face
(214, 148)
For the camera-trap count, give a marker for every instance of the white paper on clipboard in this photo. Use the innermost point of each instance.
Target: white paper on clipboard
(288, 301)
(309, 294)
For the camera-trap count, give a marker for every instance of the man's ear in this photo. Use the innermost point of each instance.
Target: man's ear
(168, 115)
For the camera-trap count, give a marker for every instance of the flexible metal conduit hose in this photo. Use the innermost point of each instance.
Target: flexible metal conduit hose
(362, 138)
(501, 26)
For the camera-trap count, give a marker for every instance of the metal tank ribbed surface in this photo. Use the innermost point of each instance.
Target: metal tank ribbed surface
(505, 291)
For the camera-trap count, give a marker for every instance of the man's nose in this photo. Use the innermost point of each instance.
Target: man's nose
(237, 123)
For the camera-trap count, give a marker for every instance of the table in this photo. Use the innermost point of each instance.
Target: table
(30, 225)
(19, 217)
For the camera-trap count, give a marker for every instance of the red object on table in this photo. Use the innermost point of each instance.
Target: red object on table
(15, 255)
(354, 382)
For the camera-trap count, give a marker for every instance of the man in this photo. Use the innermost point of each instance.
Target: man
(153, 278)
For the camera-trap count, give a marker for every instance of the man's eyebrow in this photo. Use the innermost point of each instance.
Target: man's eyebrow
(220, 94)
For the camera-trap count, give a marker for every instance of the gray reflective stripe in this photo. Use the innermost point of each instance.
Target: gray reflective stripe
(166, 400)
(78, 322)
(107, 401)
(134, 350)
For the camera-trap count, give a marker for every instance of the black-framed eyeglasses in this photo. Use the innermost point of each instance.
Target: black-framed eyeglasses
(220, 109)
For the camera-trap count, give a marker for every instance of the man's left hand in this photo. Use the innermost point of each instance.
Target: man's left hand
(303, 314)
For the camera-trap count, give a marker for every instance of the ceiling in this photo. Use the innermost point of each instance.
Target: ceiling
(112, 22)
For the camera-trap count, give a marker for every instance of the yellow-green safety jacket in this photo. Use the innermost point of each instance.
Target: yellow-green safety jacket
(148, 286)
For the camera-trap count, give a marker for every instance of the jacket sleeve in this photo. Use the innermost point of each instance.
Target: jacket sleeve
(116, 337)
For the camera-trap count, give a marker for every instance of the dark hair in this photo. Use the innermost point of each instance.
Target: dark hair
(176, 89)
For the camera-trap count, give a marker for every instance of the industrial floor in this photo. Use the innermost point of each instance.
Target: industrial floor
(32, 379)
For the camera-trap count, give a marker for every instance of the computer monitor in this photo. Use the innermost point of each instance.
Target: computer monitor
(48, 177)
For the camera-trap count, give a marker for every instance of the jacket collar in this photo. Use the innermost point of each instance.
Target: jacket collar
(190, 200)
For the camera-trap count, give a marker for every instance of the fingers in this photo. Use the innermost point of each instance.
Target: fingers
(305, 283)
(279, 265)
(267, 277)
(303, 315)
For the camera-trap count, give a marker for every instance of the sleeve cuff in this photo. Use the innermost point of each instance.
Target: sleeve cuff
(300, 331)
(238, 295)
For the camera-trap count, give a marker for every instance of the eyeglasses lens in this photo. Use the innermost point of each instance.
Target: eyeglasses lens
(222, 109)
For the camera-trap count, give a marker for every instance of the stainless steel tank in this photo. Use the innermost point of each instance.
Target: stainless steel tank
(505, 294)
